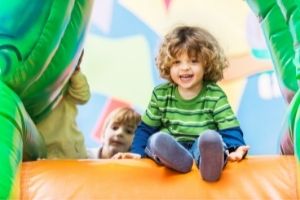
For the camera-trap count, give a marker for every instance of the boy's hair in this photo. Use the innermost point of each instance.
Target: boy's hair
(196, 42)
(123, 115)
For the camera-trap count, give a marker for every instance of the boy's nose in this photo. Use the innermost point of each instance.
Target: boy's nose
(185, 66)
(119, 132)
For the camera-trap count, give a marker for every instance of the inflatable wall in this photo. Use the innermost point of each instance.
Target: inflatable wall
(40, 43)
(280, 23)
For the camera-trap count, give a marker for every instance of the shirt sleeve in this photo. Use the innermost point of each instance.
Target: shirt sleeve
(233, 138)
(142, 134)
(79, 89)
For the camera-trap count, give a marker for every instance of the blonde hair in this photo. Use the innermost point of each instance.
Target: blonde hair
(123, 115)
(196, 42)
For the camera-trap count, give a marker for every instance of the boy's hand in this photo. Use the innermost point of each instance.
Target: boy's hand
(238, 154)
(126, 156)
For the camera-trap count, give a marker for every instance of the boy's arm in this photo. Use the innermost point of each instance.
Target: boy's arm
(79, 90)
(233, 138)
(142, 134)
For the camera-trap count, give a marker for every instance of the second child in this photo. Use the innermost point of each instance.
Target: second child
(118, 132)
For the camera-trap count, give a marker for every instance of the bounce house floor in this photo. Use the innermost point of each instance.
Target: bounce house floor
(256, 177)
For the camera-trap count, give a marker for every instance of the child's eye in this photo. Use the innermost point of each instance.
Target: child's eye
(194, 61)
(176, 62)
(129, 131)
(115, 127)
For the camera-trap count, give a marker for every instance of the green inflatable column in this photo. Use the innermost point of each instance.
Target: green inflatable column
(279, 40)
(17, 132)
(40, 44)
(280, 21)
(291, 12)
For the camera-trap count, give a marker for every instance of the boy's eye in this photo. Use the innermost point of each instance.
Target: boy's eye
(129, 131)
(194, 61)
(115, 127)
(176, 62)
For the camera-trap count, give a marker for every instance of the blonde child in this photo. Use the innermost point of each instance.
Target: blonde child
(118, 132)
(189, 117)
(59, 129)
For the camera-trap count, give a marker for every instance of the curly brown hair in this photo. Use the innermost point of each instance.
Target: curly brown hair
(196, 42)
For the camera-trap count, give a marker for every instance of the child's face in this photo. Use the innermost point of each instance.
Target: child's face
(187, 72)
(118, 137)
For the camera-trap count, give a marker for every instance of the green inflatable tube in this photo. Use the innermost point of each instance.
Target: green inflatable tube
(40, 44)
(291, 12)
(19, 140)
(280, 21)
(279, 40)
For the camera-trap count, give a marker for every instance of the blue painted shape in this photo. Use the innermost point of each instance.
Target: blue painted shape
(261, 119)
(88, 116)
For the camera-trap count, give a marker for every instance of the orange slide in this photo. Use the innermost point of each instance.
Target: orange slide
(256, 177)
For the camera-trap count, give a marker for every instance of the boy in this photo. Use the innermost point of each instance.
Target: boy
(118, 133)
(189, 118)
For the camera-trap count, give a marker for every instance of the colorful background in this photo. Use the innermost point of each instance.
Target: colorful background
(122, 42)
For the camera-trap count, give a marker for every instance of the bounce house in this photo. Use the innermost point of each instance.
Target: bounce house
(40, 45)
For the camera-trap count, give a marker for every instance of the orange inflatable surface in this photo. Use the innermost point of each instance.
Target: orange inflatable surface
(256, 177)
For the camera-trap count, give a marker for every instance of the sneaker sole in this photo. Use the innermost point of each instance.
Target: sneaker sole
(212, 156)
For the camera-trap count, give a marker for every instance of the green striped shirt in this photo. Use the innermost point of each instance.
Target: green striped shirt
(186, 119)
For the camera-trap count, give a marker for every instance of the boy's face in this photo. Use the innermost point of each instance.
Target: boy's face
(118, 137)
(187, 72)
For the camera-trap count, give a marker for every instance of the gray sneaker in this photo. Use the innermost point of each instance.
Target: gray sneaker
(212, 156)
(164, 149)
